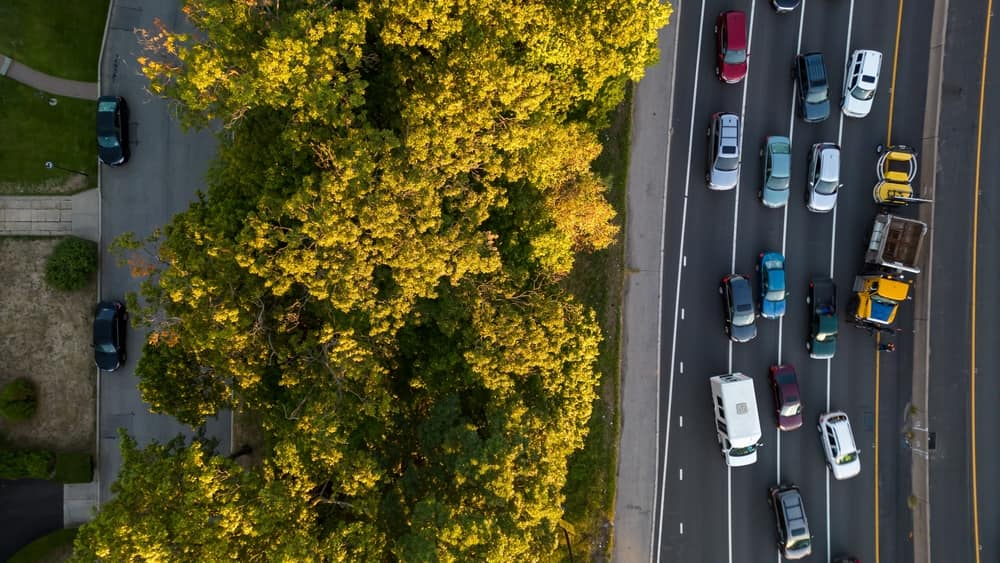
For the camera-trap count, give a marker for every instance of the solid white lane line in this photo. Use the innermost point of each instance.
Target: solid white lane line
(653, 555)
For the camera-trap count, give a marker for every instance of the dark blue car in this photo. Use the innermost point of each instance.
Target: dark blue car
(771, 266)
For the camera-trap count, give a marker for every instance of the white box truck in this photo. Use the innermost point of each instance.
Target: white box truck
(737, 424)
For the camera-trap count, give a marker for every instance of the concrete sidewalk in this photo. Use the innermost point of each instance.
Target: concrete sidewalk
(46, 83)
(51, 215)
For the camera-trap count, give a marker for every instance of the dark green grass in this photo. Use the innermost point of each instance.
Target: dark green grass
(59, 38)
(35, 132)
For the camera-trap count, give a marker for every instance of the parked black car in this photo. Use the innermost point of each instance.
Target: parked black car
(112, 130)
(110, 320)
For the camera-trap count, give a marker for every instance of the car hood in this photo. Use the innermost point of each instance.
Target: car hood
(814, 112)
(111, 155)
(733, 72)
(790, 422)
(822, 349)
(724, 179)
(855, 107)
(846, 470)
(822, 202)
(774, 198)
(772, 309)
(106, 361)
(744, 333)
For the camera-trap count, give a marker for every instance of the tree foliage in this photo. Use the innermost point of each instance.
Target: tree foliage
(373, 270)
(177, 502)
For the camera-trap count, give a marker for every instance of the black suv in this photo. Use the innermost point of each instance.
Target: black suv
(741, 315)
(110, 319)
(814, 92)
(794, 540)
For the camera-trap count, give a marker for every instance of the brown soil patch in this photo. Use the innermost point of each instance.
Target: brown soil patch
(45, 336)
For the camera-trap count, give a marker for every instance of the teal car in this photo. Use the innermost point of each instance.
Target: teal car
(771, 266)
(776, 157)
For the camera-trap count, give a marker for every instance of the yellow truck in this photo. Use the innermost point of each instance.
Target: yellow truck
(876, 300)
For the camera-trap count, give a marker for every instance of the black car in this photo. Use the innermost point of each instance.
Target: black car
(110, 320)
(741, 315)
(783, 6)
(812, 86)
(112, 130)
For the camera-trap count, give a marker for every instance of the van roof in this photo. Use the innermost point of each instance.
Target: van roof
(871, 63)
(739, 402)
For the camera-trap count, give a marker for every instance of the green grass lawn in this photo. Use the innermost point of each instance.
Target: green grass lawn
(63, 40)
(35, 132)
(58, 38)
(596, 280)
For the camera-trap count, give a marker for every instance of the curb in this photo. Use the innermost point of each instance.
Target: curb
(919, 420)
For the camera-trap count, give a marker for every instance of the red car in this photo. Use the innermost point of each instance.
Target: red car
(731, 46)
(787, 404)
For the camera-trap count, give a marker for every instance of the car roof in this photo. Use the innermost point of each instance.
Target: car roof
(741, 288)
(815, 69)
(871, 63)
(841, 427)
(829, 166)
(736, 23)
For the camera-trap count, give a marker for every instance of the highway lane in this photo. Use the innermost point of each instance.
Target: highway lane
(952, 523)
(165, 171)
(987, 304)
(732, 521)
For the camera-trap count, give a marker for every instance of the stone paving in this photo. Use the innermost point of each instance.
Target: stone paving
(51, 215)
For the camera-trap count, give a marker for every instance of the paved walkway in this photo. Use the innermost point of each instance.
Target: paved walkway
(46, 83)
(51, 215)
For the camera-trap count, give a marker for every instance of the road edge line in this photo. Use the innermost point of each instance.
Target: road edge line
(920, 457)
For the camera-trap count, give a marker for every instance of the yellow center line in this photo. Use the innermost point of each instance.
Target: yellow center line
(892, 83)
(975, 243)
(878, 337)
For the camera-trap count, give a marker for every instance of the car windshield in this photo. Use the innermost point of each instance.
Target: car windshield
(107, 141)
(799, 544)
(776, 183)
(775, 295)
(847, 458)
(791, 407)
(862, 93)
(738, 452)
(826, 187)
(816, 95)
(105, 347)
(735, 56)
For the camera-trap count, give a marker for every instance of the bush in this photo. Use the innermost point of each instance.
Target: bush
(18, 400)
(73, 468)
(72, 264)
(25, 464)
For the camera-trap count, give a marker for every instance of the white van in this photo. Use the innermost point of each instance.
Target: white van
(737, 424)
(860, 82)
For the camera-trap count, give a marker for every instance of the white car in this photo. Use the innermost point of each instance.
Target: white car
(823, 177)
(842, 455)
(860, 82)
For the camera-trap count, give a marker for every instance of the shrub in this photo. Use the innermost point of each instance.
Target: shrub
(72, 264)
(18, 400)
(25, 464)
(73, 468)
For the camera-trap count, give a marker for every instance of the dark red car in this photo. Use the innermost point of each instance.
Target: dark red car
(731, 46)
(787, 404)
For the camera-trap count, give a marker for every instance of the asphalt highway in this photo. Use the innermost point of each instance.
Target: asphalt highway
(966, 439)
(705, 511)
